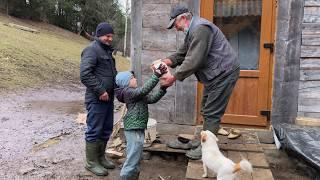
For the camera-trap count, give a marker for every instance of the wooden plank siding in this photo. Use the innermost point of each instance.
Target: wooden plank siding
(156, 42)
(309, 87)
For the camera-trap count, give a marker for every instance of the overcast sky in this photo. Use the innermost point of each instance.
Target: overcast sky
(123, 3)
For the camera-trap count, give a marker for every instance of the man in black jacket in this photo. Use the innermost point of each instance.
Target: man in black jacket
(97, 73)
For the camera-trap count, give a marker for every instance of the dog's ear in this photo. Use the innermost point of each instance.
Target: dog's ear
(203, 136)
(216, 138)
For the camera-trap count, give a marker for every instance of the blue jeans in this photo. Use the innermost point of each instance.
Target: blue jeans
(99, 121)
(135, 140)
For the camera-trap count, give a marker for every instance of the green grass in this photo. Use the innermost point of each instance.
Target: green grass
(51, 57)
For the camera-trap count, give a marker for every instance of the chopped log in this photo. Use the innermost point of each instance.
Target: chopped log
(86, 35)
(24, 28)
(114, 154)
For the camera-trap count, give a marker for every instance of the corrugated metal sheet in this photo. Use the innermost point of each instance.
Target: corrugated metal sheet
(231, 8)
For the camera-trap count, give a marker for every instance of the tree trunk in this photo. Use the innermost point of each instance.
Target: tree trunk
(7, 7)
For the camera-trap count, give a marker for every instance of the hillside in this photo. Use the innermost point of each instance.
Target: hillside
(49, 58)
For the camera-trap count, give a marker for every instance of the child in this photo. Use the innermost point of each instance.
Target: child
(136, 119)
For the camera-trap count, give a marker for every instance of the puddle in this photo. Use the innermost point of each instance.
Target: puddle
(50, 142)
(46, 144)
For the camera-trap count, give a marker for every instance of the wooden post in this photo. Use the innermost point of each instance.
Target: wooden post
(125, 29)
(136, 38)
(8, 7)
(207, 12)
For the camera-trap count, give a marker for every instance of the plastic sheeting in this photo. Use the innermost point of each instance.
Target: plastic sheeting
(301, 140)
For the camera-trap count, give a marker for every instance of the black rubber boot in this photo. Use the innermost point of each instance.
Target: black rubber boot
(106, 163)
(195, 154)
(176, 144)
(92, 163)
(134, 176)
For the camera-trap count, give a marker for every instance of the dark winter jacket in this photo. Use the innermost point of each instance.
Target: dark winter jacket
(137, 100)
(97, 70)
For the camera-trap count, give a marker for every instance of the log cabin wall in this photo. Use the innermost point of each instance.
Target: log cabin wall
(151, 41)
(287, 61)
(309, 88)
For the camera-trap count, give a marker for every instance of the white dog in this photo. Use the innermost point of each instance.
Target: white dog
(214, 160)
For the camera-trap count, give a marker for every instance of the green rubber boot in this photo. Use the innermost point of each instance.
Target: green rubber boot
(106, 163)
(92, 163)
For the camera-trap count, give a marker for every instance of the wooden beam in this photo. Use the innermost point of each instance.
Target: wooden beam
(305, 121)
(136, 38)
(207, 10)
(244, 120)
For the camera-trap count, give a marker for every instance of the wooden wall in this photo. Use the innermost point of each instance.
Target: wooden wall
(151, 41)
(309, 87)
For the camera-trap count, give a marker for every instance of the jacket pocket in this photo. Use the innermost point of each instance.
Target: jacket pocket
(108, 84)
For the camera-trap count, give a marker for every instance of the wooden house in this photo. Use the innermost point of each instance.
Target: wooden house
(278, 46)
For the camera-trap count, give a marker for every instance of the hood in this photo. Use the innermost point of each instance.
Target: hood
(119, 92)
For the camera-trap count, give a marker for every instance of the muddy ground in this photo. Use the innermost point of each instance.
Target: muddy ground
(40, 139)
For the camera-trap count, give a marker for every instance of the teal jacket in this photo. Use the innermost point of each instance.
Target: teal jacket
(137, 100)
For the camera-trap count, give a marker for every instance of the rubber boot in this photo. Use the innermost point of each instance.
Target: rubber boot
(195, 154)
(123, 178)
(135, 176)
(106, 163)
(176, 144)
(92, 163)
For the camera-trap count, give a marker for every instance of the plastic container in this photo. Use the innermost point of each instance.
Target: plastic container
(151, 131)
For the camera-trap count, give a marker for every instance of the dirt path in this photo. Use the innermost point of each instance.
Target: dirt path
(40, 138)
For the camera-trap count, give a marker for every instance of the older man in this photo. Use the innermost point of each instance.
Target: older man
(97, 73)
(207, 54)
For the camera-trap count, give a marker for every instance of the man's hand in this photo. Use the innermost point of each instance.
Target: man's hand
(167, 61)
(162, 69)
(168, 81)
(104, 97)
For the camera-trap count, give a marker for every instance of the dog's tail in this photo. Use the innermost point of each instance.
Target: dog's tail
(243, 165)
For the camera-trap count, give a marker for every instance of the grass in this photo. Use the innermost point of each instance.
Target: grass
(51, 57)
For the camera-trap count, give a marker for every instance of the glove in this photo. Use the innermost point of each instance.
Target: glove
(162, 69)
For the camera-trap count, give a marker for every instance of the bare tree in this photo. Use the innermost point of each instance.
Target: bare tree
(7, 7)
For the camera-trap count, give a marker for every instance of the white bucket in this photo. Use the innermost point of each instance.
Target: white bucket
(151, 131)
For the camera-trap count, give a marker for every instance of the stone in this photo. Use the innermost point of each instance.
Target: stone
(26, 170)
(146, 155)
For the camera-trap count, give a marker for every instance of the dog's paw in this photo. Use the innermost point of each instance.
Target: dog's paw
(205, 175)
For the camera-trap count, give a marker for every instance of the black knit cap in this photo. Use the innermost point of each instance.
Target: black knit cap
(103, 29)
